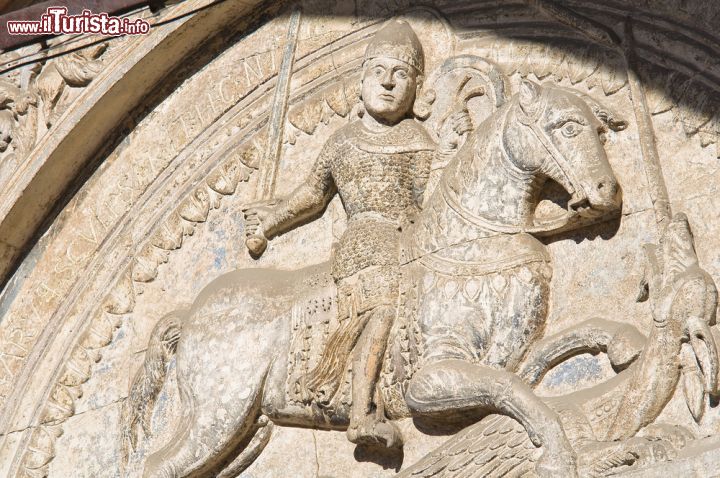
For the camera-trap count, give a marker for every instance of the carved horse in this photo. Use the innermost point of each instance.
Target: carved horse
(603, 421)
(250, 335)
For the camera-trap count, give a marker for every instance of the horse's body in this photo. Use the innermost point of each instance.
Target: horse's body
(474, 297)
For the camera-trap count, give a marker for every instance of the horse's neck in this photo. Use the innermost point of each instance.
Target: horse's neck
(489, 185)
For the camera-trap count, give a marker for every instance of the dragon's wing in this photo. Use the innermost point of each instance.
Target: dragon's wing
(497, 446)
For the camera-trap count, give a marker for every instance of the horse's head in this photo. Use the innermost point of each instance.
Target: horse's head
(558, 133)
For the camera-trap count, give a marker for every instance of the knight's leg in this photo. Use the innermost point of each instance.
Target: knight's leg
(366, 427)
(459, 387)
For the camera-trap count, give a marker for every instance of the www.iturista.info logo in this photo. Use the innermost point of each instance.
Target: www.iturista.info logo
(56, 21)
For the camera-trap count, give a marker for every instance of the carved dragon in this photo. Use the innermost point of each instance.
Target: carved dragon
(612, 424)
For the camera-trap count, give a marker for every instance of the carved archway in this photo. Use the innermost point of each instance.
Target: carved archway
(67, 299)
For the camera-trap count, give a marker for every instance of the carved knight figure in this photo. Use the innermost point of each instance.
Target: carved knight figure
(478, 311)
(432, 309)
(379, 166)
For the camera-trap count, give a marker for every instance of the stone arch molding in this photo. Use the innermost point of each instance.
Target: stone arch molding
(88, 274)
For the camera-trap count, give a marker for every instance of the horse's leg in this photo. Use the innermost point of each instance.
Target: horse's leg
(622, 343)
(221, 397)
(204, 440)
(458, 332)
(459, 387)
(249, 451)
(518, 314)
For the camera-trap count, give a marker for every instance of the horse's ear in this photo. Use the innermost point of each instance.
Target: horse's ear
(607, 116)
(529, 95)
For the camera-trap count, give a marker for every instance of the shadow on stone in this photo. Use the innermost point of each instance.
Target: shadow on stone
(388, 458)
(446, 425)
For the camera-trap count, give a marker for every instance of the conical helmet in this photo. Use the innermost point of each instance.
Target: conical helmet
(396, 39)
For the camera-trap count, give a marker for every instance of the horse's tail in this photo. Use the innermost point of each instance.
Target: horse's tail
(148, 382)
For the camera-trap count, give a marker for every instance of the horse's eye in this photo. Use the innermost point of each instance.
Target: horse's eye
(571, 129)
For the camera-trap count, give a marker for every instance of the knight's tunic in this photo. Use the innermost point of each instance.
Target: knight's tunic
(380, 178)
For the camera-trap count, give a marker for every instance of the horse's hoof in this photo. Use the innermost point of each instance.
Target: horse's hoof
(677, 436)
(650, 450)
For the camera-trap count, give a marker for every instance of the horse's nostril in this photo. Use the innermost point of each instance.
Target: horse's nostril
(607, 187)
(579, 203)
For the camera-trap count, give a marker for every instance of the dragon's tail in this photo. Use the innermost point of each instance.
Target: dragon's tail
(148, 382)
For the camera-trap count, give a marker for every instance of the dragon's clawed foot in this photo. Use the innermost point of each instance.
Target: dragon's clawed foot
(602, 458)
(553, 465)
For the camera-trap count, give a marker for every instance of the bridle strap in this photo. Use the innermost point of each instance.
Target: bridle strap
(560, 161)
(531, 119)
(450, 196)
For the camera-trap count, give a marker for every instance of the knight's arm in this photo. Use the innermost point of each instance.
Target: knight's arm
(306, 201)
(421, 173)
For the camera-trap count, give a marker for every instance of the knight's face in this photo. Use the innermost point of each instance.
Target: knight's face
(388, 89)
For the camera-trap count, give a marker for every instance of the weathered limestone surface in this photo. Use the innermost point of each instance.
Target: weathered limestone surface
(365, 239)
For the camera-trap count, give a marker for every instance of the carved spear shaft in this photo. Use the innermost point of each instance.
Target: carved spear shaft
(648, 145)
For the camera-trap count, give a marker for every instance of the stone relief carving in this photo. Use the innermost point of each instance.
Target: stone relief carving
(191, 209)
(434, 307)
(18, 118)
(603, 422)
(75, 69)
(39, 93)
(121, 300)
(408, 350)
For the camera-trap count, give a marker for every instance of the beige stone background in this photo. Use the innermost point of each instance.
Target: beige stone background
(133, 162)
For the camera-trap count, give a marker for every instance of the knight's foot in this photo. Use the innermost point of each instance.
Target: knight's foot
(370, 431)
